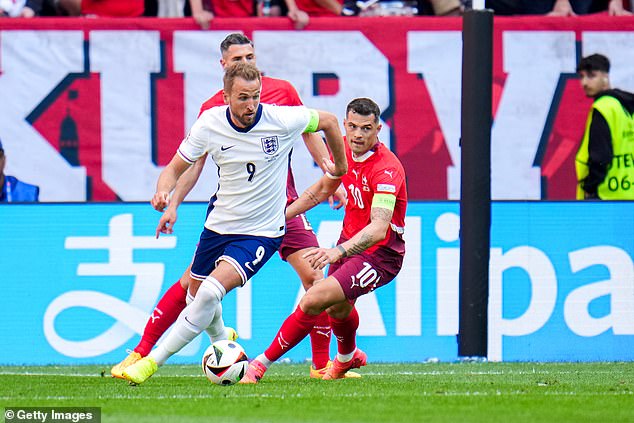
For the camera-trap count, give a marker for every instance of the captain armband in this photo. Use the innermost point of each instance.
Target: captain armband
(313, 123)
(384, 201)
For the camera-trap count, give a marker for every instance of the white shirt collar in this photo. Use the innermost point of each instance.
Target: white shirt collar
(365, 156)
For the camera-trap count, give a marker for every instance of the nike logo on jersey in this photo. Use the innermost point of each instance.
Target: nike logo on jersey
(225, 148)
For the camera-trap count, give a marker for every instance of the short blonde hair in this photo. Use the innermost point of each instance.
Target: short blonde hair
(244, 70)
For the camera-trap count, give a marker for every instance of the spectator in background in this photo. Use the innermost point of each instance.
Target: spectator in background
(446, 7)
(14, 190)
(287, 8)
(320, 8)
(101, 8)
(204, 11)
(556, 7)
(605, 160)
(168, 8)
(402, 7)
(26, 9)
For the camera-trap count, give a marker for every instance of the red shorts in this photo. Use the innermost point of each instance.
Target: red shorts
(363, 273)
(299, 235)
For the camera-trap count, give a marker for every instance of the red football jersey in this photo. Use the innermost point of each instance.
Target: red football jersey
(113, 8)
(274, 91)
(313, 9)
(381, 173)
(230, 8)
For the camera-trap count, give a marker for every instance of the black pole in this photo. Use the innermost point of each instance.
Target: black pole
(475, 187)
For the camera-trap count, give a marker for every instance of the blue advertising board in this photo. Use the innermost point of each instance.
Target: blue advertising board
(79, 282)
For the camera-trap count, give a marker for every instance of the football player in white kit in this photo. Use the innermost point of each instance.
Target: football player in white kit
(251, 145)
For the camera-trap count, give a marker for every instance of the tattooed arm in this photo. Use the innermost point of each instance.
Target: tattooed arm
(374, 232)
(315, 194)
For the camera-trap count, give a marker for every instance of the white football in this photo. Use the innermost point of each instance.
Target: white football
(225, 362)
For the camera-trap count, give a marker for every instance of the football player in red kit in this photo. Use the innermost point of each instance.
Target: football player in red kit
(370, 250)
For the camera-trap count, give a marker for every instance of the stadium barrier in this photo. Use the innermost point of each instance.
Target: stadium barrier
(88, 97)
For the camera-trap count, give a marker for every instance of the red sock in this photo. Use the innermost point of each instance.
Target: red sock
(345, 331)
(163, 316)
(320, 341)
(293, 330)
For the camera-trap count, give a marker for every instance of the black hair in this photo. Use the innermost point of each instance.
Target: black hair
(234, 39)
(593, 63)
(364, 107)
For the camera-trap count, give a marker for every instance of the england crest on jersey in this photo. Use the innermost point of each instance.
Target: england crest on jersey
(270, 144)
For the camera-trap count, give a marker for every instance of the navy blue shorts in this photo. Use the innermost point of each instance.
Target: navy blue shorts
(246, 253)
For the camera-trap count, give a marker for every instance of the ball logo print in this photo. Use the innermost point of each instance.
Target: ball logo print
(225, 363)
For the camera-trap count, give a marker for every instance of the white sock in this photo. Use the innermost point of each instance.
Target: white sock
(262, 359)
(193, 319)
(216, 330)
(344, 358)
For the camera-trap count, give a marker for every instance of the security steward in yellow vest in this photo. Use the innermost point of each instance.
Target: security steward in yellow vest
(605, 160)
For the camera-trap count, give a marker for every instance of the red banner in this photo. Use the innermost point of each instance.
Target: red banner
(92, 108)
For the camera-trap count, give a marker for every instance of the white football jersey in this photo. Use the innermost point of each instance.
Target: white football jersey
(252, 166)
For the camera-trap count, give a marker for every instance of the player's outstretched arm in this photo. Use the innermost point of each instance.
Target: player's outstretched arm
(368, 236)
(186, 182)
(201, 16)
(329, 124)
(165, 184)
(315, 194)
(184, 185)
(321, 156)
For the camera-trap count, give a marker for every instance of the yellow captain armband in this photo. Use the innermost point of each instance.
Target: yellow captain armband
(313, 123)
(385, 201)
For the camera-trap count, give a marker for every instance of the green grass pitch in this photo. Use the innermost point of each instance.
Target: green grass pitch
(443, 392)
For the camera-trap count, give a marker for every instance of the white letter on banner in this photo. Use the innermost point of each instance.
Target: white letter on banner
(543, 282)
(282, 54)
(610, 44)
(408, 305)
(523, 110)
(125, 60)
(435, 55)
(130, 317)
(448, 276)
(197, 56)
(33, 63)
(408, 299)
(619, 287)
